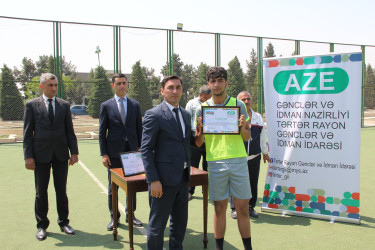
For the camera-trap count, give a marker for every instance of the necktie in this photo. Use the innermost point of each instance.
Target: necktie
(50, 111)
(178, 122)
(122, 110)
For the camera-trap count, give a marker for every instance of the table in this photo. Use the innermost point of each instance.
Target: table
(137, 183)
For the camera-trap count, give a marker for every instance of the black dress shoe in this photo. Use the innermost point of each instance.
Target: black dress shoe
(67, 229)
(253, 213)
(110, 225)
(136, 222)
(41, 234)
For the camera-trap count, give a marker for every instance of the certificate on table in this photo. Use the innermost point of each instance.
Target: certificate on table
(220, 119)
(132, 163)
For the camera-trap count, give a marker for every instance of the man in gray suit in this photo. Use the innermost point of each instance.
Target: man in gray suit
(166, 158)
(48, 137)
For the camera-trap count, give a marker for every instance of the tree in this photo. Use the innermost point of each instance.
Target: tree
(188, 78)
(138, 89)
(251, 71)
(369, 87)
(154, 84)
(101, 91)
(201, 77)
(32, 88)
(27, 72)
(235, 78)
(11, 103)
(73, 90)
(269, 51)
(177, 66)
(251, 78)
(47, 64)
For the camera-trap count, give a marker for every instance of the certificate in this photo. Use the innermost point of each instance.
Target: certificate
(220, 120)
(132, 163)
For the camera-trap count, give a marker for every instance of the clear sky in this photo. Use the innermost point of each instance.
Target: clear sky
(341, 21)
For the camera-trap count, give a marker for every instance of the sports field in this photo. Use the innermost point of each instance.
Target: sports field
(87, 183)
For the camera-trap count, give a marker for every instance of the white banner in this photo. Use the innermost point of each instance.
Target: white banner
(313, 109)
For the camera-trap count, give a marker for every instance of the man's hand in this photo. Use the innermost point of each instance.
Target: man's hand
(106, 161)
(244, 128)
(156, 189)
(266, 158)
(30, 163)
(199, 124)
(199, 137)
(73, 159)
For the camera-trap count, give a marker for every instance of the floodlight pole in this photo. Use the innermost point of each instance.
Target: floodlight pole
(97, 51)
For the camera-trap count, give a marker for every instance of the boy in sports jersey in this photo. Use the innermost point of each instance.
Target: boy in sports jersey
(227, 161)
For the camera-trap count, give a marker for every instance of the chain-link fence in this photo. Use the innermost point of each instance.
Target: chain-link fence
(85, 56)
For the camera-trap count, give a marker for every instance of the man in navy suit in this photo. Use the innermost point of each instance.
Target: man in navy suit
(48, 138)
(166, 158)
(120, 130)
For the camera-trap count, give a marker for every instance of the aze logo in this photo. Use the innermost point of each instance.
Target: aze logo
(311, 81)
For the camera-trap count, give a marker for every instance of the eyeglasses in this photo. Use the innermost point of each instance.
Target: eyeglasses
(245, 99)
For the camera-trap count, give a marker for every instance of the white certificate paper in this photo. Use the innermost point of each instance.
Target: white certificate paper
(220, 120)
(132, 163)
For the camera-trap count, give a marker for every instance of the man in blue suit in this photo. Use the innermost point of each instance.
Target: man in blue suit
(166, 158)
(120, 130)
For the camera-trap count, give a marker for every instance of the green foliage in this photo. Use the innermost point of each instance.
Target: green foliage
(32, 88)
(177, 66)
(251, 78)
(100, 92)
(139, 89)
(251, 72)
(73, 90)
(236, 78)
(269, 51)
(369, 87)
(11, 103)
(188, 75)
(201, 74)
(154, 83)
(188, 78)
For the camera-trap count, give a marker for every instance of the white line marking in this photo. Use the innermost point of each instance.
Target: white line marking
(142, 230)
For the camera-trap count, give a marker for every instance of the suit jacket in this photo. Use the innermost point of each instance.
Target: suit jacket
(41, 139)
(164, 151)
(112, 132)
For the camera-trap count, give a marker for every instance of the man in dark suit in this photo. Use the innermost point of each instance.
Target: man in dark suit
(48, 137)
(120, 130)
(166, 158)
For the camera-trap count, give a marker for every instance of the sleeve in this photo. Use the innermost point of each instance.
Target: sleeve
(197, 114)
(189, 107)
(103, 125)
(139, 125)
(28, 132)
(263, 138)
(148, 146)
(72, 139)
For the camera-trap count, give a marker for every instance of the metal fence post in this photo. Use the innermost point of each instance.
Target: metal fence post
(260, 74)
(57, 55)
(116, 49)
(217, 50)
(170, 52)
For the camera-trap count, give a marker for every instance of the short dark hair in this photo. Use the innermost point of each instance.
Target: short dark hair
(216, 72)
(167, 78)
(119, 75)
